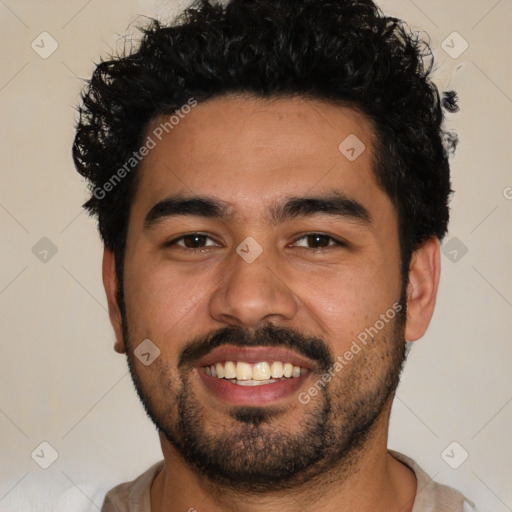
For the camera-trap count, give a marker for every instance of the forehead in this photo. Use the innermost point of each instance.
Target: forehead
(250, 151)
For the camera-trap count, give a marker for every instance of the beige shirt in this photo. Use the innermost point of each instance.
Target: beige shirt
(430, 496)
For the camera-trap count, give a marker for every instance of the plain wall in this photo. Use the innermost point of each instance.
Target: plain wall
(61, 381)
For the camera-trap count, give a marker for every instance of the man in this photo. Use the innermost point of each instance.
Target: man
(271, 181)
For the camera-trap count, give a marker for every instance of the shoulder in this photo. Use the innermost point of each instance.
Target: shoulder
(431, 495)
(132, 496)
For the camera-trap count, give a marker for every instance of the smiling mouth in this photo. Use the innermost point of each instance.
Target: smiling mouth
(254, 374)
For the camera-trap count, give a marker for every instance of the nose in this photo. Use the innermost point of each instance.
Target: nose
(252, 294)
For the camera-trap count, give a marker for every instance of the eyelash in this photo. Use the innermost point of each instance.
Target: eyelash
(204, 235)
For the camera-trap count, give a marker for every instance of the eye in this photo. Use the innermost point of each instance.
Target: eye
(194, 241)
(320, 240)
(198, 241)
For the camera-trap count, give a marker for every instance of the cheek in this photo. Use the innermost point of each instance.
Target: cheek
(345, 301)
(162, 305)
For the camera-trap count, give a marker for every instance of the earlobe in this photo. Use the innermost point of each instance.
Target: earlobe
(110, 283)
(424, 274)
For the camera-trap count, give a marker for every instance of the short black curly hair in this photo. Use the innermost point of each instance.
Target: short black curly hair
(343, 51)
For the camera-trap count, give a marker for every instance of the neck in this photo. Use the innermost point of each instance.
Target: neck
(373, 480)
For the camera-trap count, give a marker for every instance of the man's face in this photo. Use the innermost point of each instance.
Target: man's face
(263, 284)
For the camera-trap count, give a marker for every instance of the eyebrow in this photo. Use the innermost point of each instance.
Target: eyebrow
(333, 204)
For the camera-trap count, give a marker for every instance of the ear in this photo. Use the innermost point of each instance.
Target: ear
(424, 273)
(111, 287)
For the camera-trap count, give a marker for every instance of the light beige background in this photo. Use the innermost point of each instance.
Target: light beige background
(62, 383)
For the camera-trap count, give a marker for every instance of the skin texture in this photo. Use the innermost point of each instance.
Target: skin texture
(253, 153)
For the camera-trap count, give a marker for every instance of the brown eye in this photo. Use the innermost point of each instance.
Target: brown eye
(191, 241)
(194, 241)
(318, 241)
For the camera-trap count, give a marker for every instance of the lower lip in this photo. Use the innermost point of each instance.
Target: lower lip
(252, 395)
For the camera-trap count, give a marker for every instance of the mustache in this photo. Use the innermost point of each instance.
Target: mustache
(270, 335)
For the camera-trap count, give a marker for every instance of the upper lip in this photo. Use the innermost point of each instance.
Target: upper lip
(254, 355)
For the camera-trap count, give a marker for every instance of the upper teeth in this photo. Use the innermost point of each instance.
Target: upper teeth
(258, 371)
